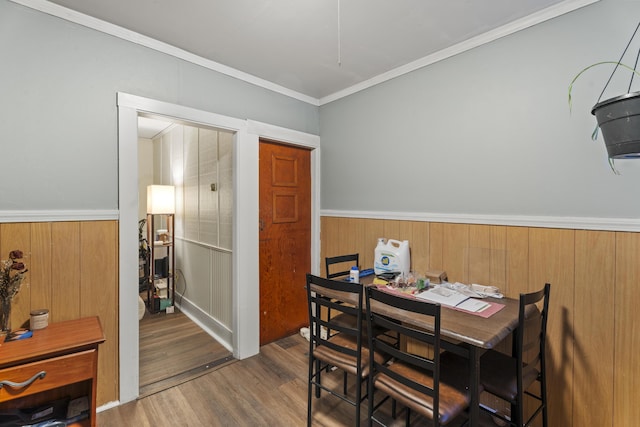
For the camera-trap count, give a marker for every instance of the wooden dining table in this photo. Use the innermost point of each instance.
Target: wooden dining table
(480, 333)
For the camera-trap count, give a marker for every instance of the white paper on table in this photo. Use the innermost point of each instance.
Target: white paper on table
(444, 296)
(473, 305)
(453, 298)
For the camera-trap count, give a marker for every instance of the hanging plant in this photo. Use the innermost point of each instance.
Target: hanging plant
(619, 117)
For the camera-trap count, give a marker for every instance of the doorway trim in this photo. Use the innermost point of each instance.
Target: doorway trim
(245, 259)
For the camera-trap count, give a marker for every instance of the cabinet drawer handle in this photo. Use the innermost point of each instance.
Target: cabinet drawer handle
(39, 375)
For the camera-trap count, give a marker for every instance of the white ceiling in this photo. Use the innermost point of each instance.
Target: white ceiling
(317, 50)
(150, 127)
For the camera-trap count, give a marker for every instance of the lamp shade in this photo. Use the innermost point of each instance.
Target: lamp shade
(161, 199)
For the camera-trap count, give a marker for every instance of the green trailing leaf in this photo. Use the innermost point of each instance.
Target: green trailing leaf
(613, 166)
(594, 134)
(594, 65)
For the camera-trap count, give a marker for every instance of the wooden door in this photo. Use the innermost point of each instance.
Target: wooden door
(285, 239)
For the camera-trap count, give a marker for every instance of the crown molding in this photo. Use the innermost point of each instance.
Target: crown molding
(122, 33)
(131, 36)
(513, 27)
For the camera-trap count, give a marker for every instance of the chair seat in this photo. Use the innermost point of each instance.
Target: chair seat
(498, 375)
(453, 401)
(345, 320)
(351, 322)
(344, 361)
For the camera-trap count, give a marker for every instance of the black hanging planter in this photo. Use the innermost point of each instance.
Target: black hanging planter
(619, 120)
(619, 117)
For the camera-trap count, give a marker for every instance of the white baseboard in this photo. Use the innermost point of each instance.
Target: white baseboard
(210, 325)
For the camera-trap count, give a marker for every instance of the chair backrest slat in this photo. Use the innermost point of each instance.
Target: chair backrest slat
(341, 262)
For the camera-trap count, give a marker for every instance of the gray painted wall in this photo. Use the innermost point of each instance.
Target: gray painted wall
(58, 115)
(489, 131)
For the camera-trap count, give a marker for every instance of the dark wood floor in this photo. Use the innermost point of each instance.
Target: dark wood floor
(173, 350)
(269, 389)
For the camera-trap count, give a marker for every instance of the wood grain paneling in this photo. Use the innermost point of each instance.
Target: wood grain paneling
(593, 322)
(551, 259)
(420, 245)
(517, 261)
(626, 332)
(454, 248)
(592, 333)
(40, 270)
(73, 271)
(98, 280)
(65, 271)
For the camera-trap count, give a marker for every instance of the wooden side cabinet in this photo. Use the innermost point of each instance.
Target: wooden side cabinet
(56, 364)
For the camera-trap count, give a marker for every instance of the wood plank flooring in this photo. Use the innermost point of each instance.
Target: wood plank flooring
(269, 389)
(173, 350)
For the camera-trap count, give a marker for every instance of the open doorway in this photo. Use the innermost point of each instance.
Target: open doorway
(245, 259)
(185, 334)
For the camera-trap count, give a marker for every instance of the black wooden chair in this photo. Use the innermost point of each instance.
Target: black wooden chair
(344, 349)
(417, 382)
(338, 266)
(510, 377)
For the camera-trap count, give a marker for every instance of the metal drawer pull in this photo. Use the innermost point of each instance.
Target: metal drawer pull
(39, 375)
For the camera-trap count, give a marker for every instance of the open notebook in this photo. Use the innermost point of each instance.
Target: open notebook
(453, 298)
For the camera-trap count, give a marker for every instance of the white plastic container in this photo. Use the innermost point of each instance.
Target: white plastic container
(354, 274)
(392, 256)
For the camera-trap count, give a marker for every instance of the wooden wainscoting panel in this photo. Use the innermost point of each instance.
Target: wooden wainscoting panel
(626, 394)
(40, 268)
(594, 321)
(478, 255)
(436, 246)
(373, 229)
(73, 271)
(391, 230)
(329, 240)
(419, 246)
(498, 262)
(359, 241)
(99, 296)
(551, 259)
(455, 244)
(405, 231)
(351, 227)
(593, 307)
(65, 271)
(517, 261)
(18, 236)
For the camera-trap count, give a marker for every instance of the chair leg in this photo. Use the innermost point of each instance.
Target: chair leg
(358, 400)
(344, 383)
(370, 401)
(318, 379)
(309, 387)
(543, 395)
(516, 418)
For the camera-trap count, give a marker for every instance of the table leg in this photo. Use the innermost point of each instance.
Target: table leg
(474, 386)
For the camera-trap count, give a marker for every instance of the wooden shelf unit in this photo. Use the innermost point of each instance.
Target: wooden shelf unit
(155, 246)
(67, 353)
